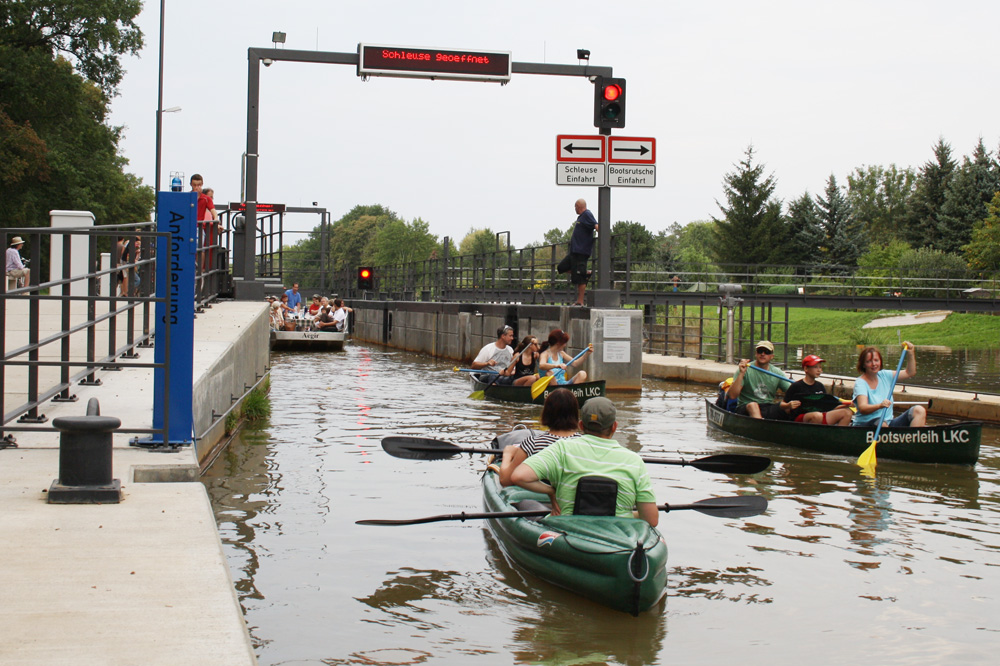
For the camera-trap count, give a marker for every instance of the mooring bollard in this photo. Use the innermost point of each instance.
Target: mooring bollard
(85, 459)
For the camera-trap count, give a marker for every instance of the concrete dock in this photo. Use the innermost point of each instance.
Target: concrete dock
(144, 581)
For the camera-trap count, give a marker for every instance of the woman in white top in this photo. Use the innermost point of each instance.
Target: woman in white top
(561, 415)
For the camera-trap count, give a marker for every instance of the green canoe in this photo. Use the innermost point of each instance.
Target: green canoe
(618, 562)
(583, 391)
(953, 443)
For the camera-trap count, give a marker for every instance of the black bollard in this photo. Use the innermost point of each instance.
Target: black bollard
(85, 459)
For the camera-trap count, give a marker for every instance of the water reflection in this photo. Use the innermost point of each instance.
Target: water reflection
(940, 367)
(832, 551)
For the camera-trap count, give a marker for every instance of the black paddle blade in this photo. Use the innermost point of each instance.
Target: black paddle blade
(460, 517)
(419, 448)
(424, 448)
(741, 506)
(732, 463)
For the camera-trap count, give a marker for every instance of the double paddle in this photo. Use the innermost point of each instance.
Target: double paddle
(740, 506)
(423, 448)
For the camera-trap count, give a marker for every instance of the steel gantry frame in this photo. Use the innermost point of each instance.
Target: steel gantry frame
(249, 288)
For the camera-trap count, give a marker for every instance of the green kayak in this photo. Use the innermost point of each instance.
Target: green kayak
(618, 562)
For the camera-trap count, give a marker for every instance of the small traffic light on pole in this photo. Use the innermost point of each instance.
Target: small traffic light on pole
(365, 278)
(609, 102)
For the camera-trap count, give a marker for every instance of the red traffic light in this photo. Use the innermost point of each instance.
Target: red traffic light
(612, 92)
(364, 273)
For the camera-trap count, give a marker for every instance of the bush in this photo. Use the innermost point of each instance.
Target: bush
(933, 267)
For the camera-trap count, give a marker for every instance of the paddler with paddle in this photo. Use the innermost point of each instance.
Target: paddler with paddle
(496, 357)
(591, 474)
(873, 390)
(810, 403)
(757, 391)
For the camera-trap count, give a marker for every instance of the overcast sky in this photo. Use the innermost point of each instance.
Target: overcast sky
(817, 87)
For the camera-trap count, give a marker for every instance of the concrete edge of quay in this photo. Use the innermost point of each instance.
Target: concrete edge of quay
(144, 580)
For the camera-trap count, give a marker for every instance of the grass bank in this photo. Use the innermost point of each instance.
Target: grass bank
(809, 326)
(841, 327)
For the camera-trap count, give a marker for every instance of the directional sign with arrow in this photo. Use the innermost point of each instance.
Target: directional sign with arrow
(577, 148)
(631, 150)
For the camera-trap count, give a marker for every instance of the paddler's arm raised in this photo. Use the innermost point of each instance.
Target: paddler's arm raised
(737, 385)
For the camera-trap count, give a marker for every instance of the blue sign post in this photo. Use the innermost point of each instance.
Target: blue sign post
(175, 268)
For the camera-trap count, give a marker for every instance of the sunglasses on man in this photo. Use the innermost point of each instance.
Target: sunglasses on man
(764, 350)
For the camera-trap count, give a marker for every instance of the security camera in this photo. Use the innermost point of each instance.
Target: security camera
(267, 62)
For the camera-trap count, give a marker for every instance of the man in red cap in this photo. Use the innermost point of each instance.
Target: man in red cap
(807, 401)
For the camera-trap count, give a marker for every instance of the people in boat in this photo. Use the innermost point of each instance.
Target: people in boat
(340, 312)
(286, 309)
(756, 392)
(554, 356)
(873, 391)
(294, 297)
(315, 306)
(561, 415)
(573, 463)
(277, 318)
(799, 395)
(523, 368)
(325, 320)
(496, 355)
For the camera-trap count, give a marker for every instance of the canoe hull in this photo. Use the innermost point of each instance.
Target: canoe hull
(588, 555)
(954, 444)
(307, 341)
(583, 392)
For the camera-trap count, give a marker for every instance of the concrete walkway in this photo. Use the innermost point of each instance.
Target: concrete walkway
(140, 582)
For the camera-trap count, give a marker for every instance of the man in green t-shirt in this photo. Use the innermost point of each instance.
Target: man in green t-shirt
(564, 462)
(757, 391)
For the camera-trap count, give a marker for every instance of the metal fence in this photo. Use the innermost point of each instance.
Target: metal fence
(57, 332)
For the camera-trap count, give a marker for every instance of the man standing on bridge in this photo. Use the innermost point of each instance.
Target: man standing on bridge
(581, 245)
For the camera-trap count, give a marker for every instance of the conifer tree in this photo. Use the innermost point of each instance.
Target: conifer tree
(842, 239)
(924, 209)
(805, 234)
(751, 229)
(969, 192)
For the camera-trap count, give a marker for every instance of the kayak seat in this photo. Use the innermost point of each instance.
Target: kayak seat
(532, 505)
(595, 496)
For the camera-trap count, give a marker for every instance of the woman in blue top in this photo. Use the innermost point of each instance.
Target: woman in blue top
(872, 391)
(554, 356)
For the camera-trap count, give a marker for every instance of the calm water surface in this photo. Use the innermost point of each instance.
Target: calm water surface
(902, 569)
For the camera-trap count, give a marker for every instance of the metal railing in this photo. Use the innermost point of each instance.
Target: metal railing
(89, 304)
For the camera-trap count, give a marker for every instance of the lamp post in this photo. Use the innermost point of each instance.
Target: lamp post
(159, 103)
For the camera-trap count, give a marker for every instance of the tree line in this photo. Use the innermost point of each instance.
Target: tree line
(60, 67)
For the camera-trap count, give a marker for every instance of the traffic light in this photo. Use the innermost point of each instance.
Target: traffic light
(366, 277)
(609, 102)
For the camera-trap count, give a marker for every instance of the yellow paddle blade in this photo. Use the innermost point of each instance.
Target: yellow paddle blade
(868, 471)
(478, 395)
(867, 459)
(540, 385)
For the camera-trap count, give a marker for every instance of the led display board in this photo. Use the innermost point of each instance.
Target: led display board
(419, 62)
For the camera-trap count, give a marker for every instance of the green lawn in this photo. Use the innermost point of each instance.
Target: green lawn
(808, 326)
(958, 330)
